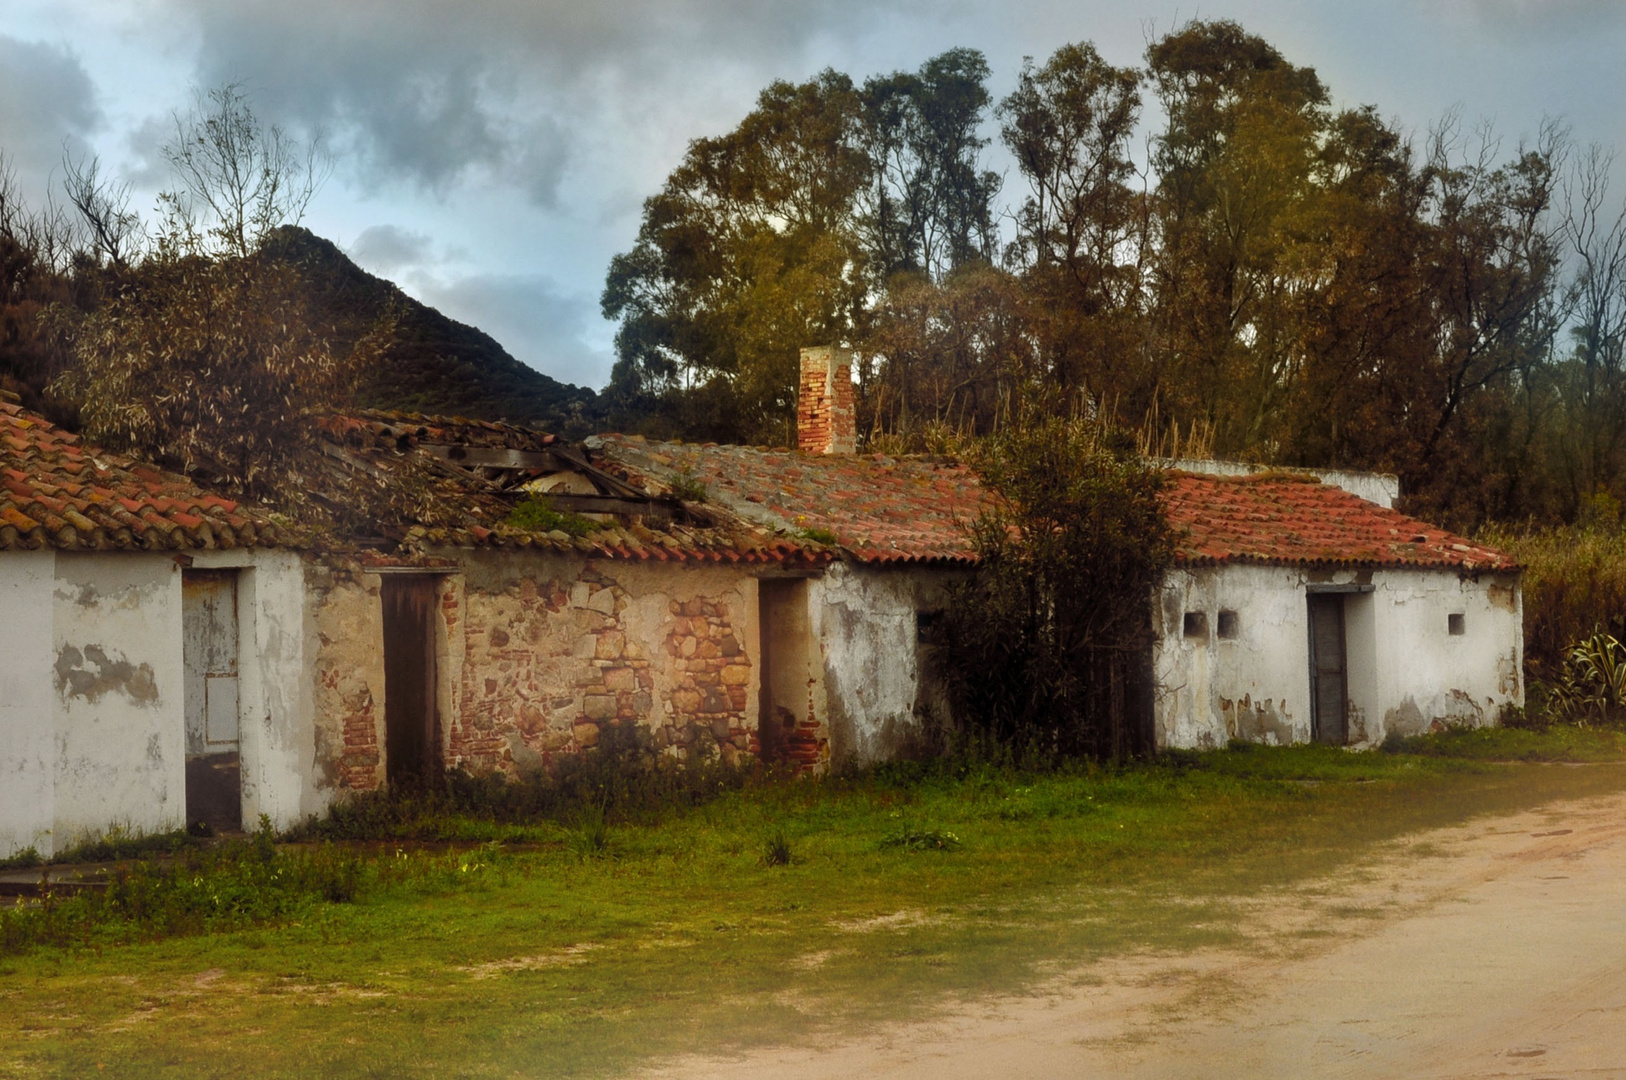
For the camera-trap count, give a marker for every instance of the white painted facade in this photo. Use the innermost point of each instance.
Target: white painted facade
(1380, 488)
(92, 720)
(1407, 671)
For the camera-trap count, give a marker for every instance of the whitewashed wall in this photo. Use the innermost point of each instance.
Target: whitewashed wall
(117, 680)
(874, 669)
(1406, 672)
(27, 728)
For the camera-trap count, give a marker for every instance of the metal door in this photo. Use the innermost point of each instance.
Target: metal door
(209, 652)
(412, 757)
(1328, 669)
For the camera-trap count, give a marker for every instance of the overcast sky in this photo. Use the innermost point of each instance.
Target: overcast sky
(490, 157)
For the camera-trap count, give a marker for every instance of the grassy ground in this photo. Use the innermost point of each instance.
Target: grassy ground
(557, 960)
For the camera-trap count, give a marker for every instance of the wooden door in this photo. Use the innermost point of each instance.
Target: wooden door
(412, 755)
(209, 653)
(1328, 669)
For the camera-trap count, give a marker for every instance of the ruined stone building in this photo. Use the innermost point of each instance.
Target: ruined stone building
(167, 655)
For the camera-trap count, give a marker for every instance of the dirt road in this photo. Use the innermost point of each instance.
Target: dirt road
(1497, 949)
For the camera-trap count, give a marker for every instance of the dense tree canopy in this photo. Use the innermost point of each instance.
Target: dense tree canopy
(1299, 282)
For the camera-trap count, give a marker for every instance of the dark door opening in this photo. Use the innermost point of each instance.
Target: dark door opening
(412, 758)
(1329, 670)
(787, 732)
(209, 650)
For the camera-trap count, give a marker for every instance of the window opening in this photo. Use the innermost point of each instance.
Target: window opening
(1456, 623)
(1196, 624)
(1227, 625)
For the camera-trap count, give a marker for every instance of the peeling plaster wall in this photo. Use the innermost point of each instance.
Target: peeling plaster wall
(1406, 672)
(874, 669)
(1428, 678)
(344, 629)
(554, 647)
(119, 724)
(27, 721)
(1256, 686)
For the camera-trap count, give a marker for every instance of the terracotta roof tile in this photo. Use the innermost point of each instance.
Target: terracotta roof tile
(878, 509)
(1286, 519)
(59, 494)
(915, 509)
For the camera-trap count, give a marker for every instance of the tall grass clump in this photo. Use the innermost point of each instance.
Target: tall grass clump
(1574, 586)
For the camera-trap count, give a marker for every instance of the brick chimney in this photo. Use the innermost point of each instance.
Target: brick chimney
(825, 422)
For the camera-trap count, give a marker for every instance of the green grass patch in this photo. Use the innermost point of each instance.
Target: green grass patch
(1558, 743)
(670, 932)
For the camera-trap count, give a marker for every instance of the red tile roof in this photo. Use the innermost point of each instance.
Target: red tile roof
(878, 509)
(902, 510)
(1286, 519)
(56, 492)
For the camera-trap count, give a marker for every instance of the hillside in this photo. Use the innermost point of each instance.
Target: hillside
(434, 364)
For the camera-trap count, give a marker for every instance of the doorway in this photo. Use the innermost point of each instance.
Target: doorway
(784, 629)
(1329, 670)
(412, 758)
(209, 653)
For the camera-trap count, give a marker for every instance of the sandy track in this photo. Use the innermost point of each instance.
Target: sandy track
(1497, 949)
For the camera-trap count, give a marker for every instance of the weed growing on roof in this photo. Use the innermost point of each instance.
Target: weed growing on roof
(687, 487)
(819, 536)
(537, 514)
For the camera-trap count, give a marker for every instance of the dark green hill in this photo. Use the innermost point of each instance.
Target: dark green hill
(433, 364)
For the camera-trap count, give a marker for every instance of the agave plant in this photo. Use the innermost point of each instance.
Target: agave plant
(1594, 683)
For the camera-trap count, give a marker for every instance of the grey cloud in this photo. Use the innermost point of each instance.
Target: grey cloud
(386, 249)
(438, 94)
(46, 99)
(531, 318)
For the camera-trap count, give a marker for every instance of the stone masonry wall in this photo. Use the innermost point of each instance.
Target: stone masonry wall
(557, 648)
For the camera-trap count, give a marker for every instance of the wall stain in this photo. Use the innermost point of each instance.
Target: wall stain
(92, 673)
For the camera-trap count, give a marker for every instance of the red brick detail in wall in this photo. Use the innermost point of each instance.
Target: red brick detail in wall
(712, 674)
(359, 758)
(825, 420)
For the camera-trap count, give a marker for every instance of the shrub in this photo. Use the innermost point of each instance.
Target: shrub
(1046, 650)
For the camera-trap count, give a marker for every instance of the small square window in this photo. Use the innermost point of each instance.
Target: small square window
(1457, 624)
(1196, 624)
(925, 623)
(1227, 625)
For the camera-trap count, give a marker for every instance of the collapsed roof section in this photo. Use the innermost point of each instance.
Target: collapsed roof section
(878, 509)
(454, 482)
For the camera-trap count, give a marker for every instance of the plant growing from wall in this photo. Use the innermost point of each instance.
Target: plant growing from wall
(1047, 649)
